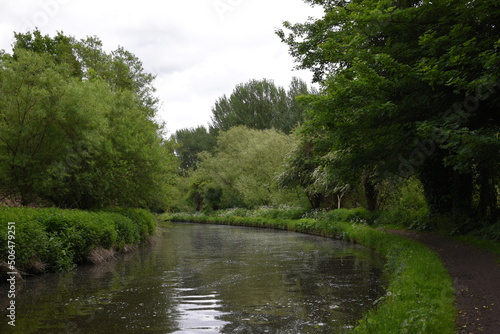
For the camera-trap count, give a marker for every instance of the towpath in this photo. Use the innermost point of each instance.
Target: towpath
(476, 277)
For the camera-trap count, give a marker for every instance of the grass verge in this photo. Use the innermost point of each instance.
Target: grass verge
(420, 293)
(48, 240)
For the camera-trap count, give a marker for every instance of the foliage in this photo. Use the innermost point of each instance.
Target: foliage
(55, 239)
(357, 215)
(309, 166)
(191, 142)
(282, 212)
(243, 171)
(257, 105)
(419, 292)
(77, 126)
(260, 104)
(408, 208)
(303, 169)
(86, 60)
(491, 232)
(409, 88)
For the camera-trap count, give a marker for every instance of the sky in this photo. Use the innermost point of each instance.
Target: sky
(199, 49)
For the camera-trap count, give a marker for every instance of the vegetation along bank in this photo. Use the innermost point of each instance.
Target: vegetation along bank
(419, 296)
(48, 240)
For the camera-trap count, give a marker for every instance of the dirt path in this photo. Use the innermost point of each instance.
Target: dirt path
(476, 275)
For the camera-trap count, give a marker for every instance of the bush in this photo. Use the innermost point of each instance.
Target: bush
(60, 239)
(128, 231)
(59, 254)
(491, 232)
(234, 212)
(278, 213)
(357, 215)
(282, 212)
(409, 208)
(79, 231)
(143, 219)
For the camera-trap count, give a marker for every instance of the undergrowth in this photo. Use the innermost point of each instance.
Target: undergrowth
(56, 239)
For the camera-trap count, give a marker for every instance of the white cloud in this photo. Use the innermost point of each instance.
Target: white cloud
(199, 49)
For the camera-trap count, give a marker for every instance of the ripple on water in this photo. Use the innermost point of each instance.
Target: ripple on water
(199, 313)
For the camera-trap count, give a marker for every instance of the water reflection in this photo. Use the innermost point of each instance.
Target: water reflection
(208, 279)
(199, 313)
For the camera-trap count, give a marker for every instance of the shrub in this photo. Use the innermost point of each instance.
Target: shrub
(79, 231)
(357, 215)
(59, 239)
(143, 219)
(409, 209)
(59, 254)
(31, 240)
(128, 232)
(491, 232)
(235, 212)
(278, 213)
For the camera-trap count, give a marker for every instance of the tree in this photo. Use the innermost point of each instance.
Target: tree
(243, 171)
(121, 69)
(31, 134)
(260, 104)
(191, 142)
(60, 48)
(295, 114)
(409, 88)
(82, 140)
(303, 169)
(310, 165)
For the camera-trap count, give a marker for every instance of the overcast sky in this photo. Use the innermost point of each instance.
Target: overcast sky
(199, 49)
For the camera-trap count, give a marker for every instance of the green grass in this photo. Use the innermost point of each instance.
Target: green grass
(56, 239)
(420, 293)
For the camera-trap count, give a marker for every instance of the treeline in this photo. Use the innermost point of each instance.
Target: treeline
(407, 119)
(235, 160)
(246, 159)
(78, 127)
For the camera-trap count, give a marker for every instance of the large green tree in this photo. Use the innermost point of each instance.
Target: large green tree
(410, 87)
(243, 170)
(77, 136)
(86, 59)
(191, 142)
(31, 124)
(260, 104)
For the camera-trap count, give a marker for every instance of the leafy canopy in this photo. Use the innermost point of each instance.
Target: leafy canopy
(409, 87)
(77, 126)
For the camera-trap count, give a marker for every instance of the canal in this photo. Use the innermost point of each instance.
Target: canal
(208, 279)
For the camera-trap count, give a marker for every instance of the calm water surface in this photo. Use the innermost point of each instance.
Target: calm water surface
(208, 279)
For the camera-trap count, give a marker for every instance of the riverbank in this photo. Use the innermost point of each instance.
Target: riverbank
(36, 241)
(420, 294)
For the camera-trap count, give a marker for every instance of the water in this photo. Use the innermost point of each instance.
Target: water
(207, 279)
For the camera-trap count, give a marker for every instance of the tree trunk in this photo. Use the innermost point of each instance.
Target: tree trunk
(487, 206)
(315, 200)
(434, 177)
(371, 194)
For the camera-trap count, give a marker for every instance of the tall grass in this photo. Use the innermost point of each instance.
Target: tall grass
(55, 239)
(419, 295)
